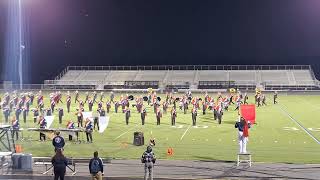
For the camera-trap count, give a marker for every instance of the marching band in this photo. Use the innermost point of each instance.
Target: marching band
(23, 104)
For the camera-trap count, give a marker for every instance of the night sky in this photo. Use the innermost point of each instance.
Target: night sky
(152, 32)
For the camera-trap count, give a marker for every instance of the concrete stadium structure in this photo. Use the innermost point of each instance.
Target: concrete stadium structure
(268, 77)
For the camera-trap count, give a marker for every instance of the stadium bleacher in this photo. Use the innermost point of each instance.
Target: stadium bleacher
(211, 77)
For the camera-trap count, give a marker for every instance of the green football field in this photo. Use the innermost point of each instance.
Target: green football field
(276, 137)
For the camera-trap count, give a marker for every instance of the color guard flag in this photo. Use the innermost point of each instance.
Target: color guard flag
(248, 112)
(103, 123)
(49, 120)
(87, 115)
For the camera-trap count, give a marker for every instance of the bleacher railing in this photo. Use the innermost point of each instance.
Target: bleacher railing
(191, 67)
(186, 67)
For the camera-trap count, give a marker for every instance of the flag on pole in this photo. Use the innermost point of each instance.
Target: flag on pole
(103, 123)
(49, 120)
(87, 115)
(248, 112)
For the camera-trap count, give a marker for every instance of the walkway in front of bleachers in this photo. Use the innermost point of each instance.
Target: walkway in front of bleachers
(184, 169)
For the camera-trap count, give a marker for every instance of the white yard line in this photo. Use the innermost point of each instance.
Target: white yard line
(303, 128)
(125, 132)
(185, 132)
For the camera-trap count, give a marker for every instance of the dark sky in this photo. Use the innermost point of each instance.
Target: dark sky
(146, 32)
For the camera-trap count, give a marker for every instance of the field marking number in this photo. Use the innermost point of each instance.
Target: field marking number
(296, 129)
(182, 126)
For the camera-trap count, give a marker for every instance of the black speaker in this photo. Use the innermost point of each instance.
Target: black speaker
(138, 139)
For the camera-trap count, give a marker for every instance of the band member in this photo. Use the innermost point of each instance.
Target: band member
(173, 116)
(181, 104)
(59, 97)
(76, 99)
(108, 105)
(127, 115)
(58, 142)
(87, 97)
(259, 100)
(35, 114)
(31, 97)
(139, 104)
(39, 97)
(225, 104)
(89, 130)
(100, 104)
(20, 104)
(194, 116)
(111, 97)
(275, 96)
(15, 127)
(70, 125)
(27, 105)
(185, 105)
(81, 104)
(68, 103)
(238, 103)
(53, 104)
(245, 99)
(143, 115)
(60, 114)
(204, 107)
(165, 107)
(102, 113)
(149, 98)
(94, 96)
(243, 133)
(80, 118)
(158, 116)
(43, 125)
(48, 112)
(101, 96)
(116, 106)
(41, 107)
(123, 104)
(17, 113)
(218, 113)
(24, 114)
(90, 104)
(6, 113)
(174, 104)
(263, 100)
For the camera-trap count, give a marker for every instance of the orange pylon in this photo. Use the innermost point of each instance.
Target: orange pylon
(170, 151)
(18, 148)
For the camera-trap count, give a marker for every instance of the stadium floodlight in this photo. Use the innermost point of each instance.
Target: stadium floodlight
(15, 43)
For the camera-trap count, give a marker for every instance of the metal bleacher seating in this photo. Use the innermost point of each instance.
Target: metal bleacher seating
(249, 77)
(275, 77)
(148, 75)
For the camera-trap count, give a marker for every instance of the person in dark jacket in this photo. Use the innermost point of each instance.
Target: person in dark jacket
(59, 162)
(58, 141)
(96, 167)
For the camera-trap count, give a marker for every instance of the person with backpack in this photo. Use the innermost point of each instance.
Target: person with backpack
(58, 142)
(59, 162)
(96, 167)
(148, 158)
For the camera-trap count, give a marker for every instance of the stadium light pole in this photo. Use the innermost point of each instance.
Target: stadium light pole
(21, 47)
(15, 48)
